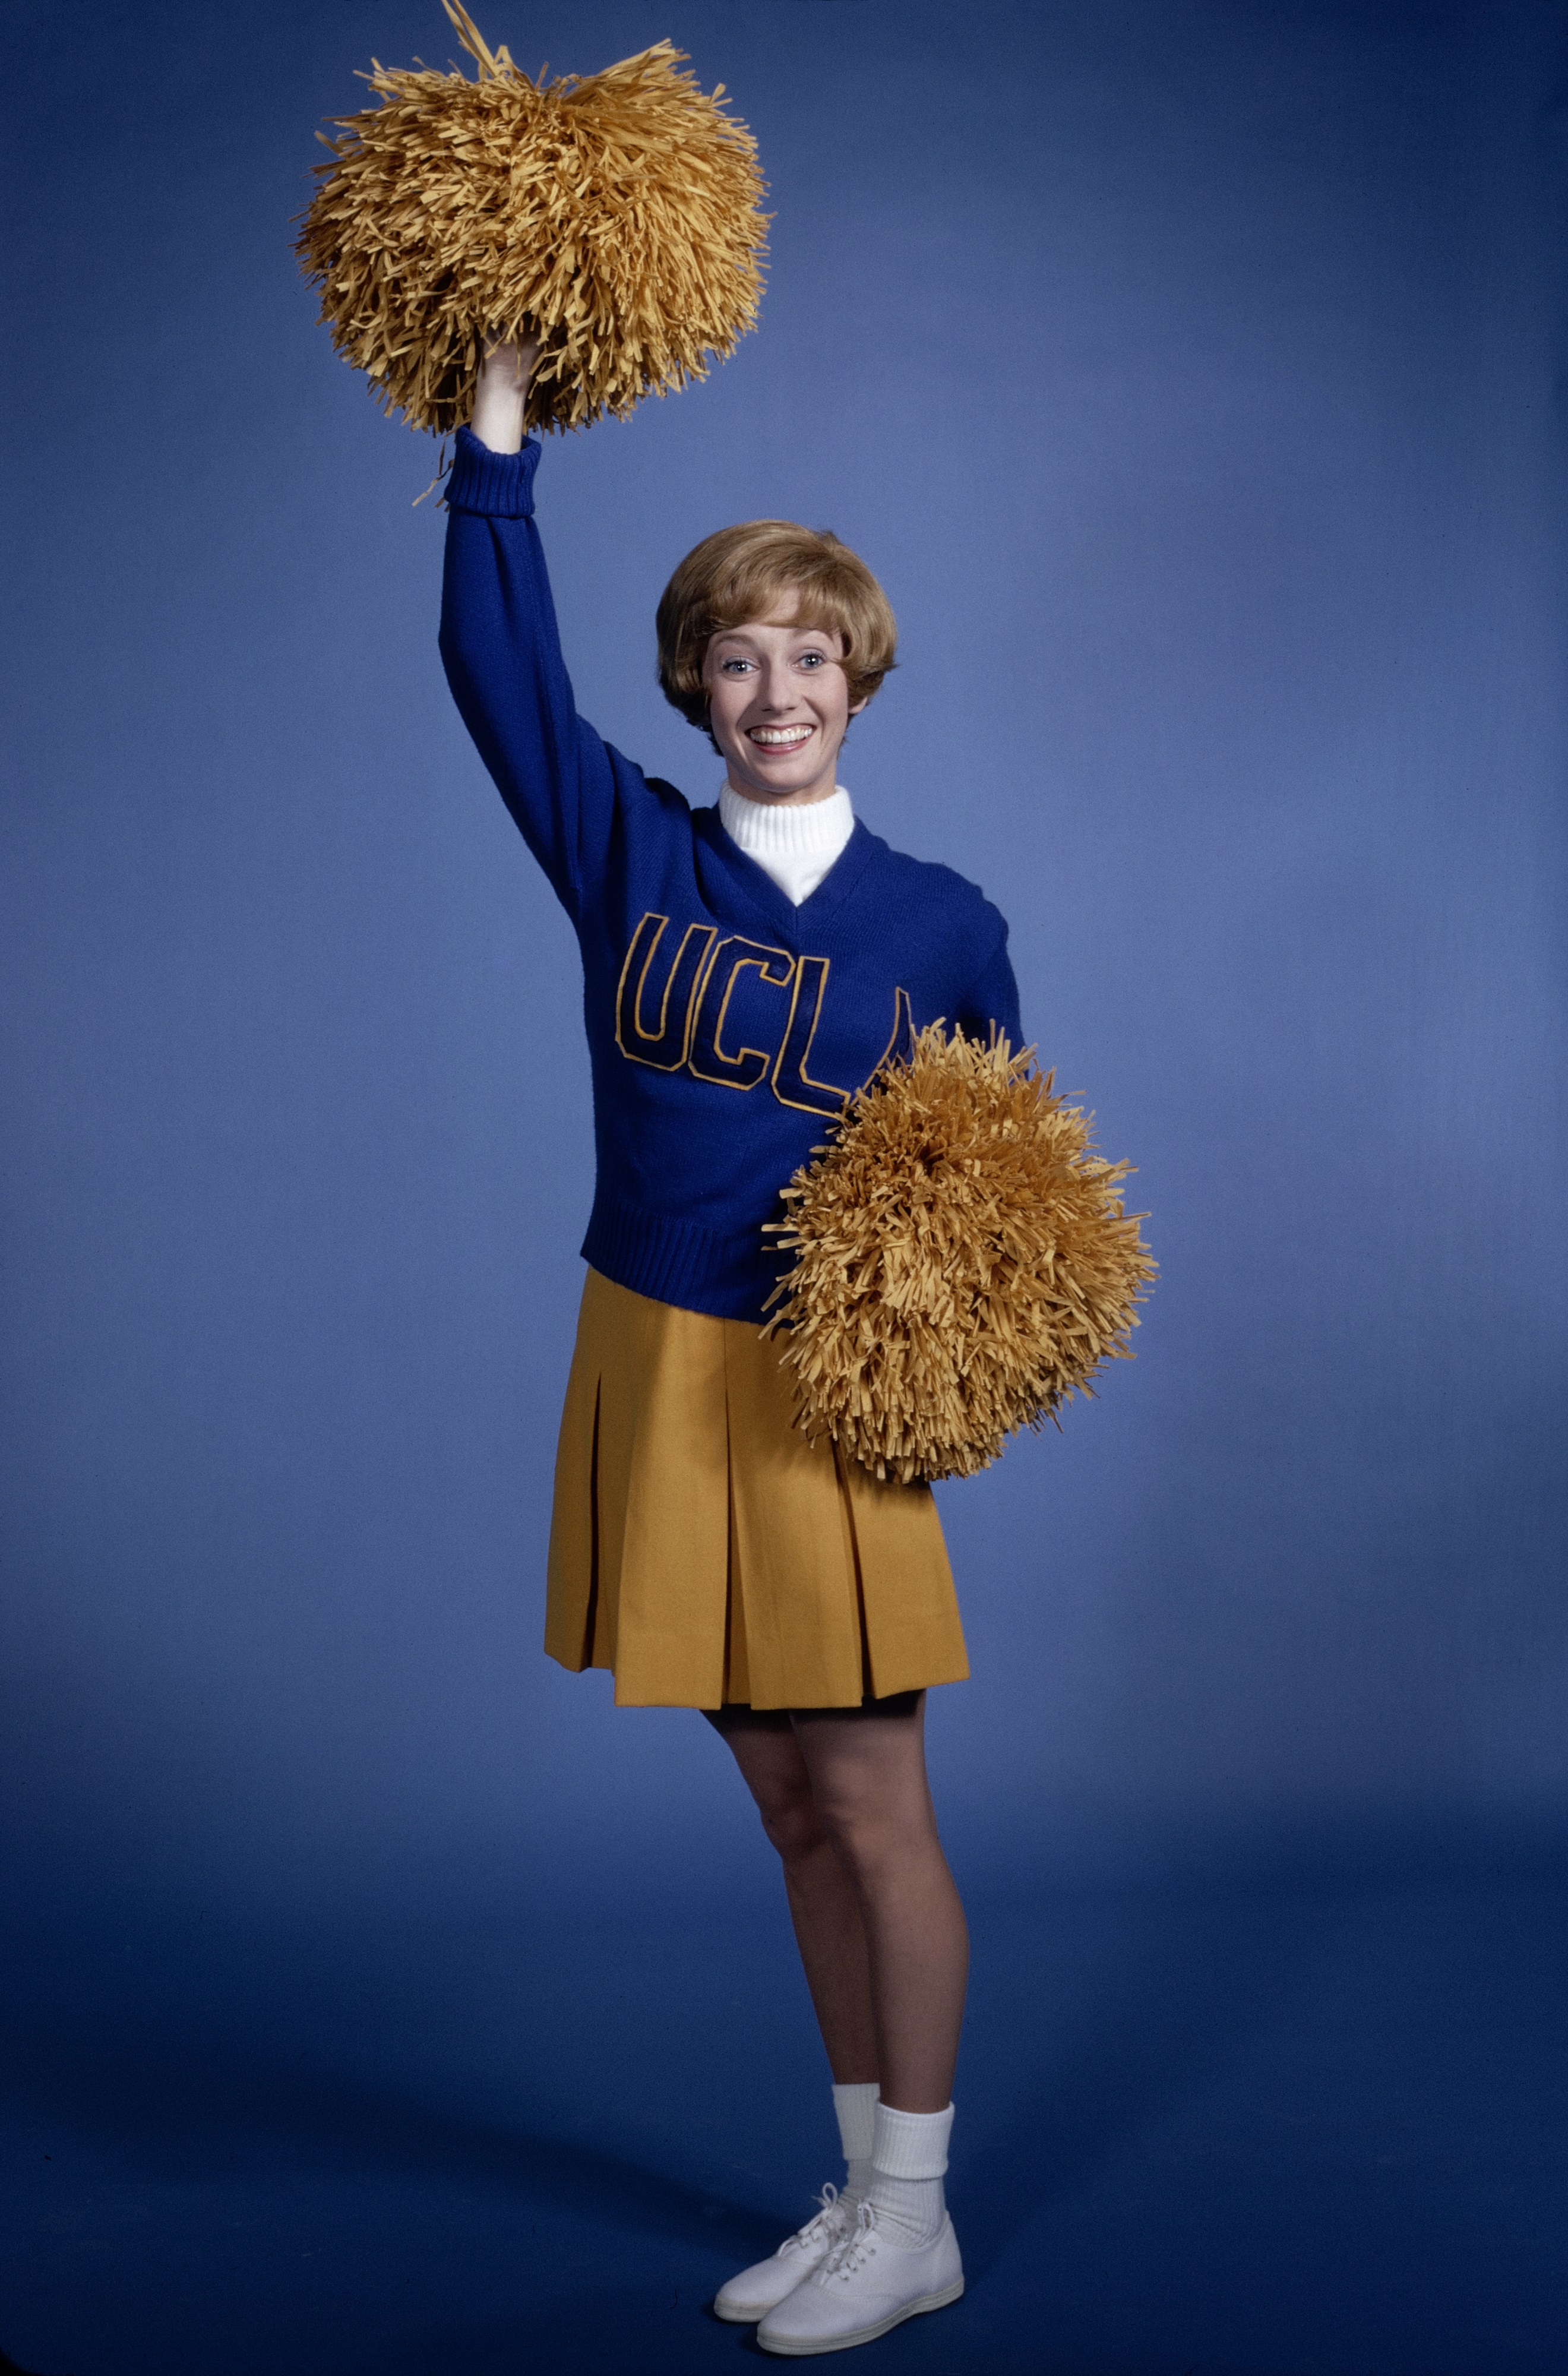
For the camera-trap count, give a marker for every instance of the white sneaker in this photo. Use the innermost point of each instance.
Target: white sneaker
(866, 2284)
(757, 2290)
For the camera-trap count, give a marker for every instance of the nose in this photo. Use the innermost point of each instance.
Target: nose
(777, 691)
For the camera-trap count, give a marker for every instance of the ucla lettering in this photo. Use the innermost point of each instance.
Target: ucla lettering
(678, 1021)
(665, 1048)
(709, 1060)
(792, 1083)
(900, 1048)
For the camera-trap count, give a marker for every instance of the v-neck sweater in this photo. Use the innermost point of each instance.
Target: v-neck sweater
(726, 1025)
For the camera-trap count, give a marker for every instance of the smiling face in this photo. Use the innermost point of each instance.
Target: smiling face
(778, 704)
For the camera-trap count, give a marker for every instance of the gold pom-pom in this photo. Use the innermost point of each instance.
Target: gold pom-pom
(616, 217)
(964, 1265)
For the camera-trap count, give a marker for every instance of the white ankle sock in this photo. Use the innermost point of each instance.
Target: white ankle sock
(855, 2103)
(909, 2160)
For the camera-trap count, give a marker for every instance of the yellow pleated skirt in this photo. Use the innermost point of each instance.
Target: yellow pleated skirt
(703, 1550)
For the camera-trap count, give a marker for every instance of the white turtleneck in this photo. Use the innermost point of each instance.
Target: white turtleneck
(795, 846)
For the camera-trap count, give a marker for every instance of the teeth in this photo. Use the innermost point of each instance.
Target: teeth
(779, 734)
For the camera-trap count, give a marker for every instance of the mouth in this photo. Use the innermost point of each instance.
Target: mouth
(782, 739)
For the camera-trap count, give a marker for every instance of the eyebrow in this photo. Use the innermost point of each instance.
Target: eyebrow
(731, 635)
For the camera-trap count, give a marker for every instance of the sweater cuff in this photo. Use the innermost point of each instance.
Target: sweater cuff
(499, 484)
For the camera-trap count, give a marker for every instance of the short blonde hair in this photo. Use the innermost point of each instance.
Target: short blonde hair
(742, 574)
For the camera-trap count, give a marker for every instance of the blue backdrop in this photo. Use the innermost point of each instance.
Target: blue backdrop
(1189, 375)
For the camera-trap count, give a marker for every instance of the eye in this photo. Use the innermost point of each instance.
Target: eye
(813, 660)
(734, 667)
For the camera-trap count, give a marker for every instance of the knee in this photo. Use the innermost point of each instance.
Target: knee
(870, 1837)
(791, 1819)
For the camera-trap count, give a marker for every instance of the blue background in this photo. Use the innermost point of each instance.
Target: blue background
(1189, 374)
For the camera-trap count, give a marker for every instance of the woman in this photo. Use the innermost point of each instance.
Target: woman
(745, 968)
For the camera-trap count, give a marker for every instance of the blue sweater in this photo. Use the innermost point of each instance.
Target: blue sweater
(725, 1025)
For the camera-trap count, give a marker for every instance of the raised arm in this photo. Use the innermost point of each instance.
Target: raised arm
(499, 644)
(502, 393)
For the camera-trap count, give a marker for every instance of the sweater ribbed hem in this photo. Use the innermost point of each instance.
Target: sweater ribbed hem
(500, 485)
(679, 1262)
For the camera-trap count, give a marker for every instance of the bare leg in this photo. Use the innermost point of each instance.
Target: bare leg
(844, 1797)
(823, 1904)
(869, 1788)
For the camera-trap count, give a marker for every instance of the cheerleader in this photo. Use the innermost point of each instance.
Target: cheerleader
(746, 968)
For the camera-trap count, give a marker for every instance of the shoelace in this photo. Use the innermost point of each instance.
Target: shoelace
(854, 2249)
(826, 2222)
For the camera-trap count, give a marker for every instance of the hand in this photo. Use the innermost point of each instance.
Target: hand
(503, 377)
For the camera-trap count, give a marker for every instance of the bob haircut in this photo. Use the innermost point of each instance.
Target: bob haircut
(758, 570)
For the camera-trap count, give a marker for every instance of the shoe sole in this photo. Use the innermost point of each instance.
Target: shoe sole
(789, 2350)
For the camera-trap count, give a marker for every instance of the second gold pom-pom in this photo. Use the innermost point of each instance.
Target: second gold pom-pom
(963, 1263)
